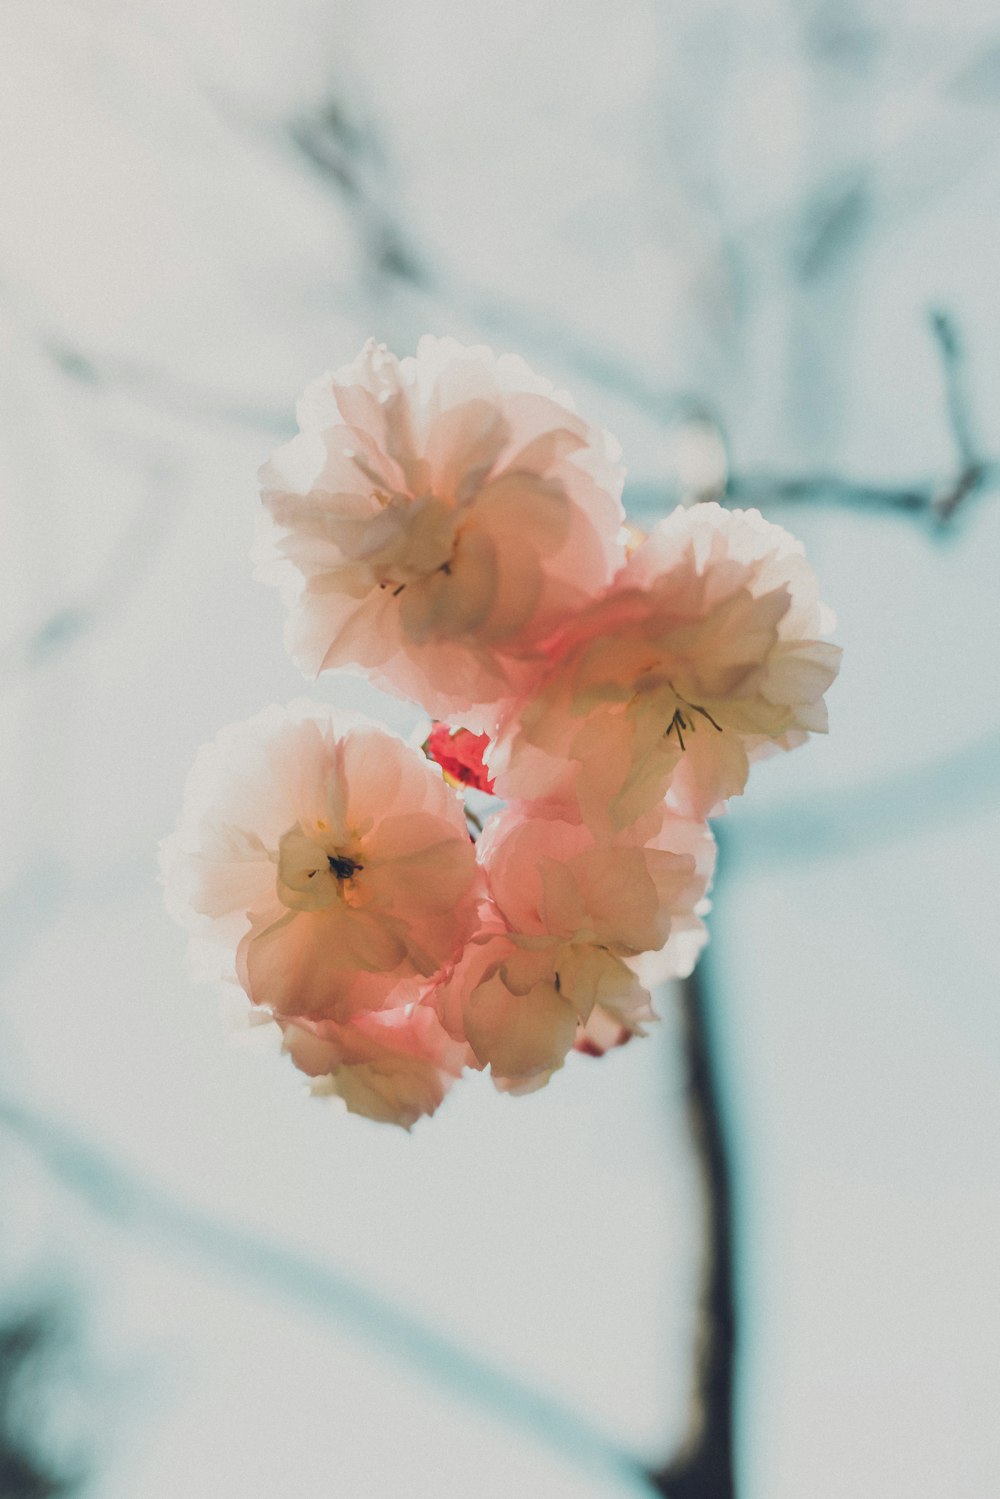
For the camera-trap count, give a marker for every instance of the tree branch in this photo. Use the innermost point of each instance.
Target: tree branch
(936, 501)
(703, 1468)
(973, 469)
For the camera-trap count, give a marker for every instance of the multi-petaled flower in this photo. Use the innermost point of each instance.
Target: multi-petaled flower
(435, 519)
(447, 524)
(393, 1065)
(570, 916)
(326, 860)
(706, 651)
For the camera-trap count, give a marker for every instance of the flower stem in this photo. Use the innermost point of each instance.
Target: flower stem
(703, 1467)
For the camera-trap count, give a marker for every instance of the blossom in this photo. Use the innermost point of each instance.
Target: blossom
(705, 652)
(393, 1065)
(460, 755)
(327, 860)
(448, 525)
(435, 519)
(569, 915)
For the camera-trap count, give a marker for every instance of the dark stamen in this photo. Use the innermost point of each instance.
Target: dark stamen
(343, 867)
(705, 714)
(679, 722)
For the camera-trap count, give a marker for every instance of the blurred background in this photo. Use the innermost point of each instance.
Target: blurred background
(758, 241)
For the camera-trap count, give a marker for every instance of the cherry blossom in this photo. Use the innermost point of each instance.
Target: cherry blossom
(394, 1065)
(449, 526)
(568, 915)
(705, 652)
(435, 519)
(325, 860)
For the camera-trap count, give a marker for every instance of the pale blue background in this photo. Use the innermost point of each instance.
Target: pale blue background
(742, 207)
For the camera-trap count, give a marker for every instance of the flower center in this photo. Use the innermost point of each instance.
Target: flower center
(684, 720)
(419, 541)
(311, 876)
(344, 867)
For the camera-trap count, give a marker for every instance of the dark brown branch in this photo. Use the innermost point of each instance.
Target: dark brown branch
(703, 1467)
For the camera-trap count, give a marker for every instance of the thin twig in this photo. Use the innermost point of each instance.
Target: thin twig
(973, 468)
(934, 500)
(952, 352)
(767, 491)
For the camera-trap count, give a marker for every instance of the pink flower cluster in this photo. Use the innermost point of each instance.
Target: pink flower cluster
(448, 525)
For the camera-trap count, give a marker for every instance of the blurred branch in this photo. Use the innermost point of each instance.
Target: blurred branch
(157, 387)
(938, 503)
(344, 150)
(347, 153)
(962, 783)
(703, 1467)
(953, 367)
(973, 470)
(150, 383)
(124, 1198)
(766, 490)
(28, 1342)
(125, 568)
